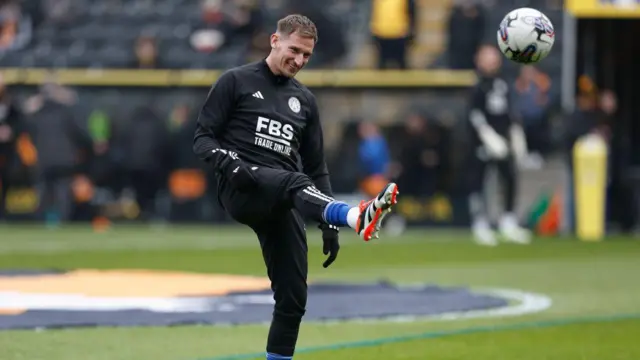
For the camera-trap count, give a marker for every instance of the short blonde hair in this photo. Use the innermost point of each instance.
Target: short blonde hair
(300, 24)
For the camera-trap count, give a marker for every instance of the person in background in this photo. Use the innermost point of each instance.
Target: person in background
(418, 159)
(326, 54)
(210, 31)
(16, 27)
(622, 209)
(584, 119)
(246, 24)
(187, 180)
(11, 126)
(146, 50)
(393, 26)
(465, 24)
(147, 145)
(58, 138)
(531, 104)
(497, 141)
(374, 159)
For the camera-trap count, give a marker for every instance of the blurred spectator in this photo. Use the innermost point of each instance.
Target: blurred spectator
(608, 111)
(246, 18)
(187, 182)
(393, 26)
(15, 27)
(100, 128)
(247, 26)
(146, 53)
(465, 30)
(208, 35)
(531, 105)
(344, 176)
(61, 12)
(58, 139)
(374, 159)
(212, 12)
(11, 127)
(419, 157)
(584, 119)
(147, 146)
(207, 40)
(182, 123)
(331, 46)
(621, 198)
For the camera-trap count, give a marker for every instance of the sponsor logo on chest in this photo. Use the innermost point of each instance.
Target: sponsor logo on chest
(273, 135)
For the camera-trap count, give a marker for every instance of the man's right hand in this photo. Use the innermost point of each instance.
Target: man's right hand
(494, 144)
(497, 148)
(237, 172)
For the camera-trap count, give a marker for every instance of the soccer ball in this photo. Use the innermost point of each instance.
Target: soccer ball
(526, 36)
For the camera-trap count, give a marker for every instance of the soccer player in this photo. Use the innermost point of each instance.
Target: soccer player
(260, 130)
(497, 140)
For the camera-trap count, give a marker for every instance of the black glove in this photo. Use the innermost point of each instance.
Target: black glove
(331, 245)
(237, 172)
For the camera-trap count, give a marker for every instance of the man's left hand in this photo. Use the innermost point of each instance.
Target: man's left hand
(331, 243)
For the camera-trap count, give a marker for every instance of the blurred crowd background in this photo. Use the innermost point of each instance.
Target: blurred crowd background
(105, 153)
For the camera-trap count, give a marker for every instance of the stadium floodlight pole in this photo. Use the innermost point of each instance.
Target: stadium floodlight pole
(569, 47)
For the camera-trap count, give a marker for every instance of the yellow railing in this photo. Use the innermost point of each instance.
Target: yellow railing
(204, 78)
(602, 9)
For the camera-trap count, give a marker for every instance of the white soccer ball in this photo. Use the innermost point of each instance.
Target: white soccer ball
(526, 36)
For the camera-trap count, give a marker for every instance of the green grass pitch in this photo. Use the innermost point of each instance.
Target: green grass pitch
(595, 289)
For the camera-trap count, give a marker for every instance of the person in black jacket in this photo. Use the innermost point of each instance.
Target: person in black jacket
(147, 145)
(59, 139)
(11, 125)
(260, 130)
(496, 140)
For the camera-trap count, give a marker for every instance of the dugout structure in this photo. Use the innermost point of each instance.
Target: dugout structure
(600, 53)
(344, 97)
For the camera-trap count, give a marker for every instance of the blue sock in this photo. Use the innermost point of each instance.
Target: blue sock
(336, 213)
(271, 356)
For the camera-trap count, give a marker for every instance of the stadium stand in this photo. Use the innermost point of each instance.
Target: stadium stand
(187, 34)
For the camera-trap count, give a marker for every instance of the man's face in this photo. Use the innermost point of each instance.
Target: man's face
(291, 52)
(146, 51)
(528, 73)
(489, 61)
(608, 102)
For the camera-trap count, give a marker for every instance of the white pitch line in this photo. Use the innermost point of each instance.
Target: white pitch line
(527, 303)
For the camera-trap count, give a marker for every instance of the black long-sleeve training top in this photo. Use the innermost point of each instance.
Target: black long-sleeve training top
(268, 120)
(491, 98)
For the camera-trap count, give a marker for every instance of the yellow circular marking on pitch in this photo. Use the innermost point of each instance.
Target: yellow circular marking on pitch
(132, 283)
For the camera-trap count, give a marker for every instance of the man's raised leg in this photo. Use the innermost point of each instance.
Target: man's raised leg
(365, 219)
(298, 190)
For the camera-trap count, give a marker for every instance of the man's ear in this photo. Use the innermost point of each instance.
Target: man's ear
(274, 40)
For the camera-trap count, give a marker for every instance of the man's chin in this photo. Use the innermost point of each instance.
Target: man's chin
(289, 73)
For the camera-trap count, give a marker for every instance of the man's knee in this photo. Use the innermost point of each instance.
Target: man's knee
(298, 181)
(311, 203)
